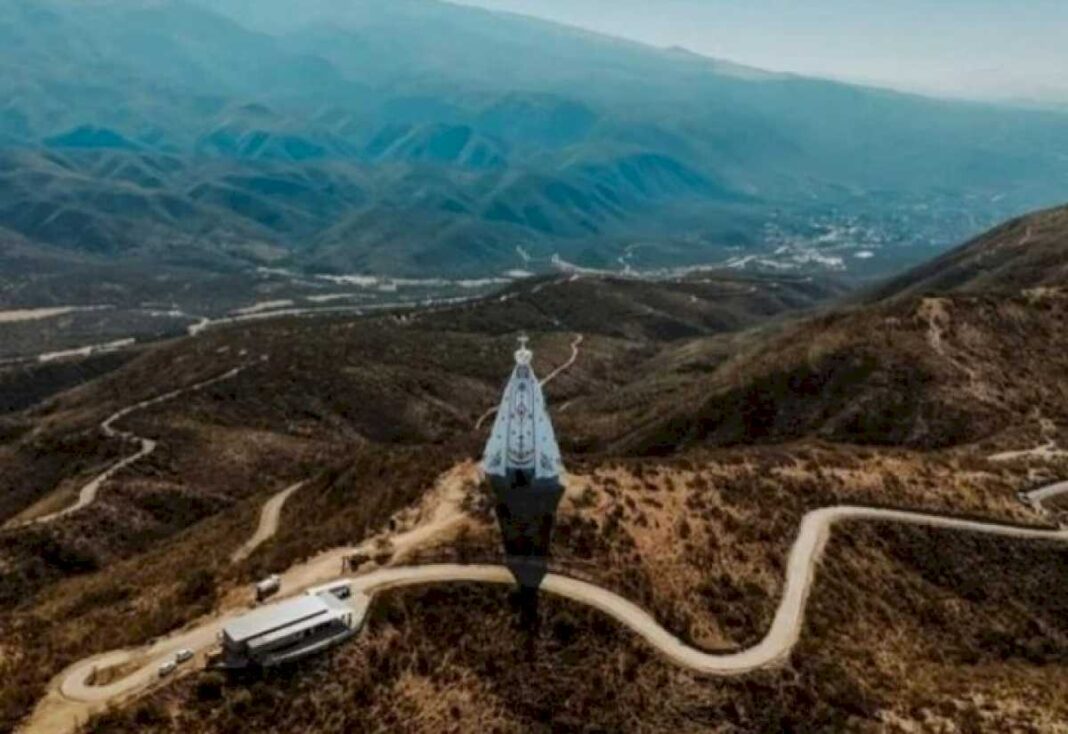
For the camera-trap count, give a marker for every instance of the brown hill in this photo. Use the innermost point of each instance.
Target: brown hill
(314, 393)
(983, 356)
(1029, 252)
(368, 410)
(641, 310)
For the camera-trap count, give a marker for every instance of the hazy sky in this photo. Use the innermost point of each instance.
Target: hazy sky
(975, 48)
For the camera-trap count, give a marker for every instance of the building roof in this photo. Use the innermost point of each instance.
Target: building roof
(335, 604)
(329, 588)
(310, 647)
(270, 638)
(276, 616)
(523, 438)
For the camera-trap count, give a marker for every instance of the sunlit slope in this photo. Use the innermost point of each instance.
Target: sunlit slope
(954, 352)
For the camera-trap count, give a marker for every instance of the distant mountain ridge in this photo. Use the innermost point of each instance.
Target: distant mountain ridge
(418, 136)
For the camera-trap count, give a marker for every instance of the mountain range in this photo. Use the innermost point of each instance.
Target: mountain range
(417, 137)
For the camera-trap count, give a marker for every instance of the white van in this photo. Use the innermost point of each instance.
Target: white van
(268, 587)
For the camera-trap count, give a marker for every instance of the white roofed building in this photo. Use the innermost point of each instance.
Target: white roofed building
(288, 630)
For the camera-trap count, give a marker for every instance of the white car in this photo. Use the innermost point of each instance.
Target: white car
(183, 656)
(167, 668)
(268, 587)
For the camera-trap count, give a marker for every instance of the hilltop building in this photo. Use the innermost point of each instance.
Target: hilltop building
(522, 462)
(288, 631)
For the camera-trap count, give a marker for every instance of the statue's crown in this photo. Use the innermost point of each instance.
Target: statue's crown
(523, 355)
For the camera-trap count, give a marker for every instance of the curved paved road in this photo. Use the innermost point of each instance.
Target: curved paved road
(269, 515)
(87, 494)
(773, 649)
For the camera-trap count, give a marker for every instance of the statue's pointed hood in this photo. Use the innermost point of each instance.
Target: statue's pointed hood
(523, 439)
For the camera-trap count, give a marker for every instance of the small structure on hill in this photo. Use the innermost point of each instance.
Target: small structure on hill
(522, 462)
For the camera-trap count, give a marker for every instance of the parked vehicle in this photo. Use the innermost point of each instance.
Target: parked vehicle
(167, 668)
(268, 587)
(341, 590)
(183, 656)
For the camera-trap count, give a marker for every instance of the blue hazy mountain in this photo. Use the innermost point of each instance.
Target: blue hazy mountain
(415, 136)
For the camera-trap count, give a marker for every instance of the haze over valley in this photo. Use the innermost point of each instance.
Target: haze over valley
(417, 137)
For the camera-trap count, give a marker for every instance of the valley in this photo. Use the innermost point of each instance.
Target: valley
(178, 306)
(193, 159)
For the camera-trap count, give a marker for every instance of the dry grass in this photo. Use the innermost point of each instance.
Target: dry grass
(903, 635)
(875, 376)
(947, 628)
(702, 541)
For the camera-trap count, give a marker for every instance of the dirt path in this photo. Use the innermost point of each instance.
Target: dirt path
(1037, 499)
(933, 310)
(575, 345)
(87, 494)
(1048, 451)
(71, 695)
(937, 313)
(272, 510)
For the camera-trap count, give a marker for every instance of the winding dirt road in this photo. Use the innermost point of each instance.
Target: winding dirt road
(87, 494)
(1037, 499)
(575, 345)
(269, 515)
(1046, 452)
(74, 688)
